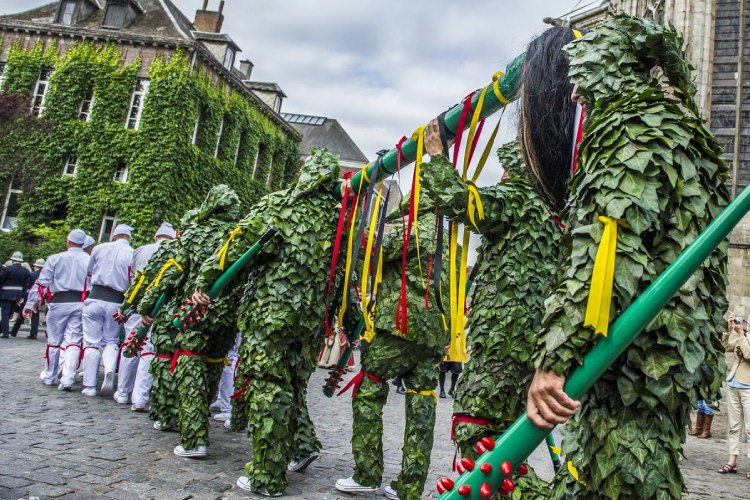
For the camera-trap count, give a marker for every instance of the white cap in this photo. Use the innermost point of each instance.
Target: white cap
(77, 236)
(39, 262)
(16, 257)
(122, 229)
(89, 241)
(166, 229)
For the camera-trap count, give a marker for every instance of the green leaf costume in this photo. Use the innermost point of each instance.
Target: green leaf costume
(281, 315)
(196, 372)
(415, 356)
(647, 160)
(517, 264)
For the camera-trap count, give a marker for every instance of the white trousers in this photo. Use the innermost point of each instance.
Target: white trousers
(738, 411)
(100, 339)
(63, 331)
(143, 380)
(133, 376)
(226, 384)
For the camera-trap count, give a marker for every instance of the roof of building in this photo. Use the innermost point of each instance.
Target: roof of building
(322, 132)
(265, 87)
(161, 23)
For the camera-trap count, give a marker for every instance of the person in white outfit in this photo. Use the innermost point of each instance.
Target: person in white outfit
(88, 245)
(222, 404)
(64, 274)
(133, 376)
(111, 271)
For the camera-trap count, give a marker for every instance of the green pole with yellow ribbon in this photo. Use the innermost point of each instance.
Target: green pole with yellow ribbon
(512, 449)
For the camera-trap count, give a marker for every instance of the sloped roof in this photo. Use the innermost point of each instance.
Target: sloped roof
(265, 87)
(322, 132)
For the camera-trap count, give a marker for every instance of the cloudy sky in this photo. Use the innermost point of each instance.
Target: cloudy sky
(382, 68)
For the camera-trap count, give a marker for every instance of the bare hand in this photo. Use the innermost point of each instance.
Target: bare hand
(36, 307)
(27, 313)
(120, 317)
(432, 143)
(547, 403)
(201, 298)
(346, 189)
(147, 320)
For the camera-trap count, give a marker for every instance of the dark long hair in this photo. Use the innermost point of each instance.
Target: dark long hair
(547, 114)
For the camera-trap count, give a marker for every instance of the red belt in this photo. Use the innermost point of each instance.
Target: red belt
(357, 381)
(147, 354)
(241, 391)
(468, 419)
(46, 352)
(183, 352)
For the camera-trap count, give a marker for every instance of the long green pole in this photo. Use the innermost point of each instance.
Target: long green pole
(509, 85)
(134, 344)
(517, 443)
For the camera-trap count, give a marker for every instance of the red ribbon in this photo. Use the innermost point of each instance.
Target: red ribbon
(468, 419)
(183, 352)
(83, 350)
(46, 352)
(242, 390)
(343, 218)
(147, 354)
(164, 356)
(40, 291)
(355, 382)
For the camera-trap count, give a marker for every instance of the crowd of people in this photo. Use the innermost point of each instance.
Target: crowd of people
(570, 237)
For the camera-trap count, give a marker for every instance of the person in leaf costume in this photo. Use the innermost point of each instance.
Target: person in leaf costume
(650, 170)
(517, 264)
(282, 318)
(189, 362)
(414, 355)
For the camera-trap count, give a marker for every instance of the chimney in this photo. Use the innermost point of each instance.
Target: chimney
(209, 21)
(246, 68)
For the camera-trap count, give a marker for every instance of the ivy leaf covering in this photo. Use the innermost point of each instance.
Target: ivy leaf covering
(517, 263)
(648, 160)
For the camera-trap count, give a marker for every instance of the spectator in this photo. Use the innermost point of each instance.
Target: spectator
(736, 342)
(13, 285)
(38, 265)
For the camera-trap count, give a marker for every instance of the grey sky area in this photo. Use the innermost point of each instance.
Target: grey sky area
(382, 68)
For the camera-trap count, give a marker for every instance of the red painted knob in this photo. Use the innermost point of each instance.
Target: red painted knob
(467, 463)
(447, 483)
(506, 468)
(485, 468)
(485, 490)
(189, 302)
(522, 469)
(464, 490)
(488, 443)
(502, 492)
(508, 485)
(480, 448)
(183, 308)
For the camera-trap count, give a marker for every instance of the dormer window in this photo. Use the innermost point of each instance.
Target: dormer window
(72, 12)
(229, 58)
(120, 13)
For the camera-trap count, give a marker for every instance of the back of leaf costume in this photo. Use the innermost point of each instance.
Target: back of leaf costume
(647, 161)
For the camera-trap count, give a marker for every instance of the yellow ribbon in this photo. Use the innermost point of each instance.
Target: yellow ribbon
(457, 349)
(423, 393)
(349, 250)
(496, 87)
(577, 33)
(222, 254)
(169, 263)
(556, 450)
(368, 252)
(602, 279)
(418, 136)
(364, 173)
(224, 360)
(574, 472)
(132, 295)
(475, 205)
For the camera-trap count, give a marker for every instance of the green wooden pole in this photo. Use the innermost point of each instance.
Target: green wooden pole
(517, 443)
(140, 334)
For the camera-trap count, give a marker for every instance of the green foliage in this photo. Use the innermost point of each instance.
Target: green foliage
(648, 160)
(167, 174)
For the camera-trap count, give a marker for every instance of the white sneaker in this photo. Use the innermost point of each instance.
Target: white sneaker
(244, 483)
(158, 427)
(89, 391)
(200, 452)
(63, 387)
(223, 417)
(46, 381)
(119, 397)
(109, 382)
(228, 424)
(300, 464)
(349, 485)
(390, 493)
(139, 407)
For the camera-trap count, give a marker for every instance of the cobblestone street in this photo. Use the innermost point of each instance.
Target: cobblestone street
(57, 444)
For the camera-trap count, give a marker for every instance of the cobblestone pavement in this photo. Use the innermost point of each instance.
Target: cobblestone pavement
(62, 445)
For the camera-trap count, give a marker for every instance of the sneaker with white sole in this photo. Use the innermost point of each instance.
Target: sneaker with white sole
(63, 387)
(244, 483)
(139, 407)
(390, 493)
(157, 425)
(349, 485)
(222, 417)
(89, 391)
(200, 452)
(300, 464)
(120, 397)
(109, 382)
(228, 424)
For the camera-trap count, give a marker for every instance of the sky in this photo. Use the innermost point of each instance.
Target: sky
(381, 68)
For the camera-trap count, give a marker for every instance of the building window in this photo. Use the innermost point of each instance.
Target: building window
(84, 113)
(136, 104)
(2, 75)
(71, 166)
(197, 125)
(269, 180)
(277, 103)
(67, 11)
(40, 92)
(229, 58)
(218, 138)
(121, 172)
(243, 135)
(10, 208)
(258, 154)
(109, 222)
(115, 15)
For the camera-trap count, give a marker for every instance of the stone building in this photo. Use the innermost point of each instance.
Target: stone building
(148, 109)
(714, 32)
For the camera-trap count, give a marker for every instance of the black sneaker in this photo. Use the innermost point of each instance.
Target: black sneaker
(300, 464)
(442, 394)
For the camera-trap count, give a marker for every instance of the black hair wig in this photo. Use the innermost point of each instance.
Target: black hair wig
(547, 115)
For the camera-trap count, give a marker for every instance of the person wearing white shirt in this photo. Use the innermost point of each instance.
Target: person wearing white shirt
(64, 274)
(110, 269)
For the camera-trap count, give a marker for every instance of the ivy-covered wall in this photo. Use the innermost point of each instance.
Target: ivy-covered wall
(167, 173)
